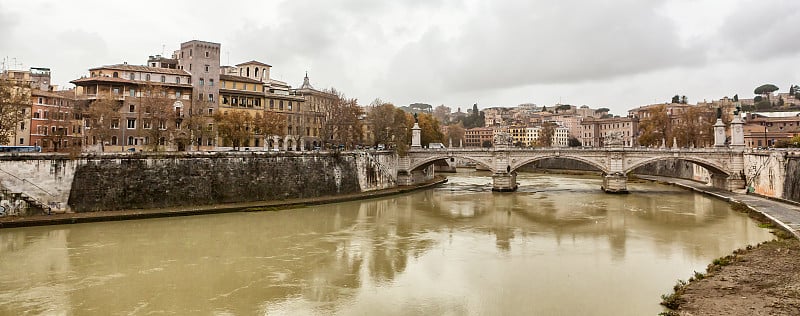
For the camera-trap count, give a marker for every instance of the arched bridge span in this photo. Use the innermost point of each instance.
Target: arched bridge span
(724, 163)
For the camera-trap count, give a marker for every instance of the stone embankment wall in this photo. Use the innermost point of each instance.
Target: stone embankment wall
(774, 174)
(129, 181)
(39, 177)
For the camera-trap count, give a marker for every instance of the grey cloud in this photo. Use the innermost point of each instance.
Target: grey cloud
(517, 44)
(762, 30)
(8, 22)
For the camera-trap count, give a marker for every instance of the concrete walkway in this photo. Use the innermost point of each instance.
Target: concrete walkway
(783, 214)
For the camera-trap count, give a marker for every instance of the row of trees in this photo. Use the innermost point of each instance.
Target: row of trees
(393, 127)
(692, 127)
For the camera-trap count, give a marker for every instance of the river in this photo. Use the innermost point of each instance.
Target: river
(558, 246)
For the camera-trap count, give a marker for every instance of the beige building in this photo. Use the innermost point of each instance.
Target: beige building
(20, 136)
(313, 112)
(766, 129)
(130, 85)
(475, 137)
(595, 131)
(525, 136)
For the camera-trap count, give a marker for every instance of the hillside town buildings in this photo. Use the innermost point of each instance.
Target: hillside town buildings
(172, 103)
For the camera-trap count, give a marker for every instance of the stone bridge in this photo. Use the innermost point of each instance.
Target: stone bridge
(726, 165)
(724, 161)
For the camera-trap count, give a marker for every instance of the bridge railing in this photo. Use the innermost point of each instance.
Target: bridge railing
(577, 149)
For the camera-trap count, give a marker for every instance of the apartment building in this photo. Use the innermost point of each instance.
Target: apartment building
(54, 124)
(476, 137)
(133, 89)
(595, 131)
(766, 129)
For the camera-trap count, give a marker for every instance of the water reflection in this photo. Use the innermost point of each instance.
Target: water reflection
(558, 246)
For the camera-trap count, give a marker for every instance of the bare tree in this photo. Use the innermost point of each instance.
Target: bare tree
(694, 127)
(158, 120)
(547, 134)
(382, 119)
(104, 118)
(655, 127)
(234, 127)
(14, 100)
(342, 125)
(268, 124)
(456, 132)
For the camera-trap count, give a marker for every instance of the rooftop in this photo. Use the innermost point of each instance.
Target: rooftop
(126, 67)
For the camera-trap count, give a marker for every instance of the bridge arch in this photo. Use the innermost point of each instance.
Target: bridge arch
(429, 160)
(597, 164)
(711, 166)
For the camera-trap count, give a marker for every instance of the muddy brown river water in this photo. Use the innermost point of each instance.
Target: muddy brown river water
(558, 246)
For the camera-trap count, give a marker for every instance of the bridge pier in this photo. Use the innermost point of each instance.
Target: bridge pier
(415, 176)
(504, 182)
(725, 182)
(615, 183)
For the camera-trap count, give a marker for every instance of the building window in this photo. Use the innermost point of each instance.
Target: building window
(190, 67)
(114, 140)
(178, 80)
(234, 101)
(271, 104)
(131, 123)
(147, 77)
(206, 67)
(210, 111)
(234, 85)
(132, 92)
(202, 82)
(290, 105)
(115, 75)
(177, 94)
(116, 90)
(162, 124)
(245, 86)
(224, 99)
(210, 97)
(190, 52)
(146, 124)
(163, 78)
(131, 108)
(130, 140)
(133, 76)
(211, 82)
(280, 105)
(115, 123)
(41, 100)
(207, 56)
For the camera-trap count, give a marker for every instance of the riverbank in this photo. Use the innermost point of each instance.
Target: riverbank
(104, 216)
(758, 280)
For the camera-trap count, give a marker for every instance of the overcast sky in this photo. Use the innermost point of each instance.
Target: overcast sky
(618, 54)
